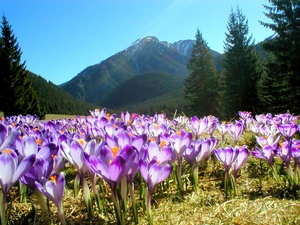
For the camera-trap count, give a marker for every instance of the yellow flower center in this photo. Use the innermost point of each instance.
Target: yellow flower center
(8, 151)
(115, 150)
(53, 178)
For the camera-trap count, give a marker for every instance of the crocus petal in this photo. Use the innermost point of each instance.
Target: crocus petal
(165, 173)
(153, 150)
(11, 138)
(116, 169)
(8, 167)
(3, 133)
(99, 167)
(164, 155)
(24, 167)
(123, 139)
(143, 169)
(47, 151)
(30, 146)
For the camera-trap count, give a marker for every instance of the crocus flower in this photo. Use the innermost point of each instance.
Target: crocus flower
(285, 152)
(235, 131)
(265, 153)
(11, 171)
(153, 173)
(53, 189)
(288, 130)
(222, 128)
(295, 151)
(180, 141)
(226, 156)
(270, 140)
(7, 138)
(200, 126)
(240, 160)
(112, 165)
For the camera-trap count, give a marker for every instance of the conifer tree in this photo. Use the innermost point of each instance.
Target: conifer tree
(241, 68)
(285, 48)
(201, 86)
(16, 93)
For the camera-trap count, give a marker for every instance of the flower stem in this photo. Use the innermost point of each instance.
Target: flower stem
(148, 206)
(132, 196)
(226, 185)
(3, 208)
(61, 214)
(195, 177)
(41, 200)
(178, 175)
(117, 207)
(87, 197)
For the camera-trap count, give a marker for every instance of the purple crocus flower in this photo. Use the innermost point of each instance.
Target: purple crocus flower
(285, 152)
(111, 166)
(200, 126)
(266, 153)
(180, 141)
(288, 130)
(295, 151)
(153, 173)
(53, 189)
(162, 155)
(222, 128)
(235, 131)
(270, 140)
(226, 156)
(7, 138)
(11, 171)
(240, 160)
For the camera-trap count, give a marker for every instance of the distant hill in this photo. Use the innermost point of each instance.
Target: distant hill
(56, 100)
(142, 88)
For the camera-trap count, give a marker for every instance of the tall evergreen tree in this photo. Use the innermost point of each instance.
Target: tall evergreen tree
(285, 48)
(16, 93)
(241, 68)
(273, 89)
(201, 86)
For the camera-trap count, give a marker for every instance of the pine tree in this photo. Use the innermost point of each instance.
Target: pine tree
(201, 86)
(285, 47)
(241, 68)
(16, 93)
(273, 89)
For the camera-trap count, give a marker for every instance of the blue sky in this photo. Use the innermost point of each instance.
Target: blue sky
(60, 38)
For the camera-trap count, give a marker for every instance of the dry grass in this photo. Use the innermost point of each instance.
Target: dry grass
(58, 116)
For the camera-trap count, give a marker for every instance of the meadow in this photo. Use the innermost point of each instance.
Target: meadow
(187, 170)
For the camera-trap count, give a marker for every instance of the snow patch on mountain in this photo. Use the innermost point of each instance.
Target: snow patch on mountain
(183, 46)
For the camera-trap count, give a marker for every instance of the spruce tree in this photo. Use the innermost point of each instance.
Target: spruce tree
(201, 86)
(285, 48)
(16, 93)
(241, 68)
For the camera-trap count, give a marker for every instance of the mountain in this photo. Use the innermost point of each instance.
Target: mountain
(145, 55)
(57, 101)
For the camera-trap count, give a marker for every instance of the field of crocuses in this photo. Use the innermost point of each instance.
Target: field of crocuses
(124, 168)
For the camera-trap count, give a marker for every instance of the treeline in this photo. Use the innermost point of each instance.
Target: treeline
(141, 88)
(57, 101)
(248, 82)
(170, 104)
